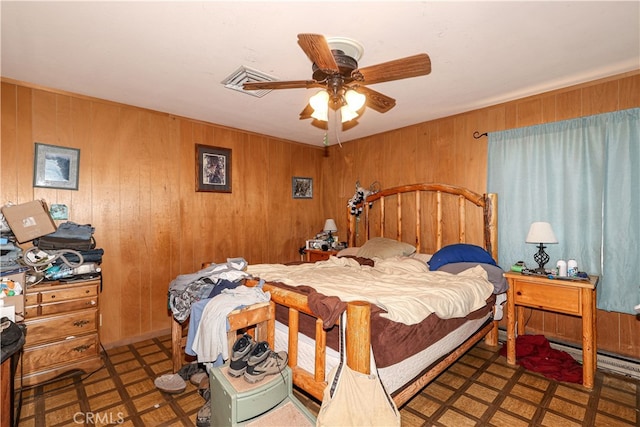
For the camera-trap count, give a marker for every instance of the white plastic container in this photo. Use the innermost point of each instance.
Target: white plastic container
(561, 267)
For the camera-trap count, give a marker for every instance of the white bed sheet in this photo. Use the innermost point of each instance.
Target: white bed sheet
(404, 287)
(395, 376)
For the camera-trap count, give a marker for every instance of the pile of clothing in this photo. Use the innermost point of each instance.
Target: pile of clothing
(534, 352)
(10, 252)
(206, 298)
(186, 289)
(68, 253)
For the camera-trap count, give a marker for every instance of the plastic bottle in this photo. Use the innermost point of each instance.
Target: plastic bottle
(58, 272)
(572, 268)
(561, 266)
(87, 268)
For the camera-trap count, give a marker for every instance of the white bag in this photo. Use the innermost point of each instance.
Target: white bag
(352, 398)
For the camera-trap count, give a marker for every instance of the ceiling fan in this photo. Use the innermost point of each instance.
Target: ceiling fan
(335, 71)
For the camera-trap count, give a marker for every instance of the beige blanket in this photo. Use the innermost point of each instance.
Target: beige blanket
(402, 286)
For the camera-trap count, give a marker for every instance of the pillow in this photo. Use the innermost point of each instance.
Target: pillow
(381, 247)
(494, 273)
(348, 251)
(422, 257)
(460, 252)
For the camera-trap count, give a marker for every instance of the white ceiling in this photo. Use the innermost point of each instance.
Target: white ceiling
(173, 56)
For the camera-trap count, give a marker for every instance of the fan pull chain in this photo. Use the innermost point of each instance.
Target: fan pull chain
(337, 122)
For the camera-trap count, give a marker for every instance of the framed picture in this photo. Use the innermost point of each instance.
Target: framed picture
(213, 169)
(302, 188)
(56, 167)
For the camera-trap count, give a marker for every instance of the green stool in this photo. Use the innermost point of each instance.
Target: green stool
(236, 402)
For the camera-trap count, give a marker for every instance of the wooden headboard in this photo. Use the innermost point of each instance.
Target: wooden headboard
(431, 215)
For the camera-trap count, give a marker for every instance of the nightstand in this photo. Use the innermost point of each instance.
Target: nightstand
(314, 255)
(573, 297)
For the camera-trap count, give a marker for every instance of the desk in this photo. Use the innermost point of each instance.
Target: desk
(576, 298)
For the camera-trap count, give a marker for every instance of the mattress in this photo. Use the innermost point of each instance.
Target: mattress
(392, 342)
(395, 376)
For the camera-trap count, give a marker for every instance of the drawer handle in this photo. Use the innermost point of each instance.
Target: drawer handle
(80, 323)
(81, 348)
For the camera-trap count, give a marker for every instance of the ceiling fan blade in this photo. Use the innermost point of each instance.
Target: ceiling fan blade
(376, 100)
(320, 124)
(411, 66)
(292, 84)
(318, 51)
(306, 113)
(348, 125)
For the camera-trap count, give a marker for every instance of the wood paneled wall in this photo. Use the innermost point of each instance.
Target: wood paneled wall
(444, 150)
(137, 188)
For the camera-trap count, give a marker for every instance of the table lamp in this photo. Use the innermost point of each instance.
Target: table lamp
(330, 227)
(541, 233)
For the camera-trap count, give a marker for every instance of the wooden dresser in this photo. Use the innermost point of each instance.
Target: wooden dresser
(62, 322)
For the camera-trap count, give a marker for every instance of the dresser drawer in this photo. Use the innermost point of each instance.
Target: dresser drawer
(31, 298)
(66, 306)
(557, 298)
(61, 352)
(76, 292)
(31, 311)
(61, 327)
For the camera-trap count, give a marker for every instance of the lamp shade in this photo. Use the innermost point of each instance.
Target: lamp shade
(347, 114)
(354, 99)
(541, 232)
(351, 102)
(319, 101)
(330, 226)
(320, 115)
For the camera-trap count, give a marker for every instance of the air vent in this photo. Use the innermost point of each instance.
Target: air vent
(248, 75)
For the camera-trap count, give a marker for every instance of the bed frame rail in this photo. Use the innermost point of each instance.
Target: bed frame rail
(358, 331)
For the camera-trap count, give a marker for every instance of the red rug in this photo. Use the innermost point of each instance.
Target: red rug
(534, 353)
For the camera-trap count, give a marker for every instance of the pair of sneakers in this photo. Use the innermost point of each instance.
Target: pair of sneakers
(255, 360)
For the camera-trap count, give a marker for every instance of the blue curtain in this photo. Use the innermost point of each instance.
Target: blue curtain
(583, 177)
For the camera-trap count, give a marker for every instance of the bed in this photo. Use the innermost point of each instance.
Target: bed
(434, 218)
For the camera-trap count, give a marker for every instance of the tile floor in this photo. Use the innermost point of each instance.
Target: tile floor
(479, 390)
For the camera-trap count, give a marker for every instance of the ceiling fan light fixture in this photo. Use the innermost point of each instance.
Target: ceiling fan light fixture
(320, 101)
(354, 99)
(321, 115)
(345, 85)
(347, 114)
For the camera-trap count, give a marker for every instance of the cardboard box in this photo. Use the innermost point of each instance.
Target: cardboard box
(17, 277)
(29, 220)
(14, 305)
(16, 301)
